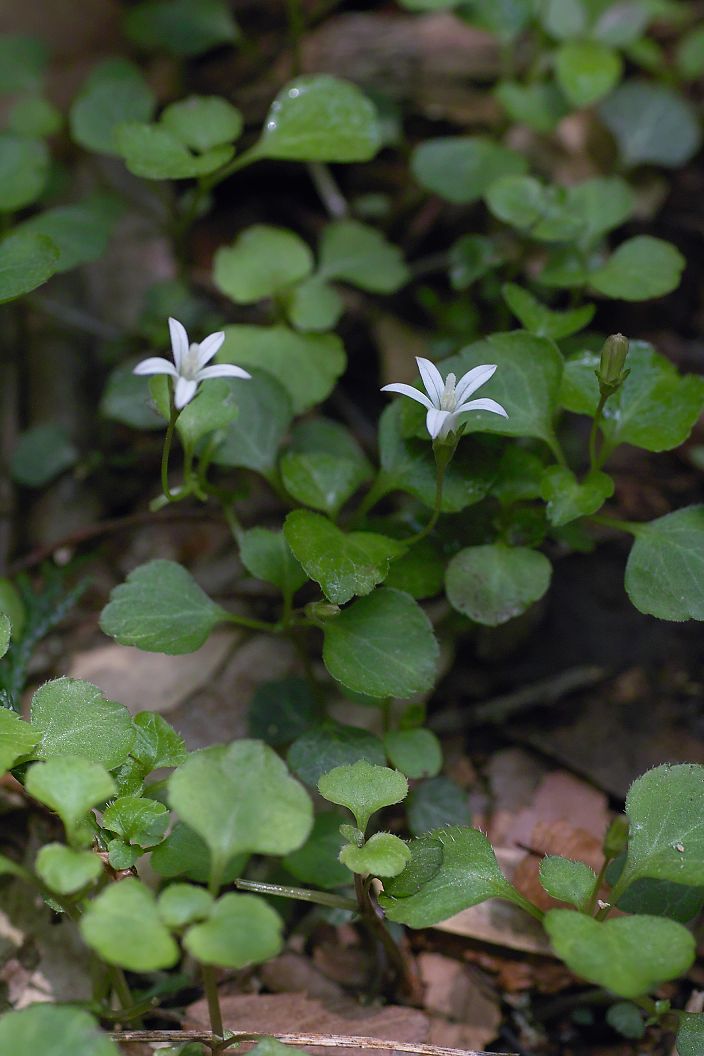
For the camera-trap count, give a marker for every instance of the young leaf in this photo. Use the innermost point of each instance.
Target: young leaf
(382, 645)
(543, 321)
(241, 930)
(638, 111)
(70, 786)
(203, 121)
(26, 261)
(181, 904)
(241, 798)
(24, 169)
(115, 91)
(568, 498)
(344, 564)
(155, 153)
(184, 853)
(266, 555)
(639, 270)
(307, 365)
(156, 744)
(363, 788)
(587, 70)
(180, 27)
(322, 480)
(64, 870)
(330, 745)
(262, 261)
(462, 168)
(138, 821)
(436, 804)
(74, 718)
(253, 439)
(567, 881)
(628, 955)
(382, 855)
(161, 609)
(53, 1030)
(123, 926)
(316, 862)
(494, 583)
(17, 738)
(416, 753)
(320, 118)
(626, 1019)
(665, 568)
(356, 253)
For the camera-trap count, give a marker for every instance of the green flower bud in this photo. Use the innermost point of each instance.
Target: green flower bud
(611, 374)
(616, 838)
(319, 611)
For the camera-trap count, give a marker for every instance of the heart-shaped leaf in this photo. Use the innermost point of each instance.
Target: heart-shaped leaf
(137, 821)
(639, 270)
(70, 785)
(123, 926)
(587, 70)
(416, 753)
(363, 788)
(638, 111)
(241, 930)
(356, 253)
(495, 583)
(203, 121)
(262, 261)
(115, 91)
(155, 153)
(181, 904)
(64, 870)
(382, 855)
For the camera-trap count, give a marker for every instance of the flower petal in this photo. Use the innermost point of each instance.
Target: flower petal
(432, 379)
(221, 370)
(472, 380)
(185, 391)
(156, 365)
(483, 405)
(408, 390)
(179, 342)
(435, 421)
(208, 348)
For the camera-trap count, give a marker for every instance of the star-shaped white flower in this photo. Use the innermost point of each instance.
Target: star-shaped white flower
(447, 399)
(189, 365)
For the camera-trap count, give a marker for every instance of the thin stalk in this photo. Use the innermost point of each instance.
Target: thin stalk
(330, 194)
(211, 993)
(594, 462)
(439, 485)
(591, 904)
(121, 988)
(523, 903)
(375, 494)
(373, 919)
(554, 445)
(240, 162)
(168, 439)
(614, 522)
(253, 625)
(302, 894)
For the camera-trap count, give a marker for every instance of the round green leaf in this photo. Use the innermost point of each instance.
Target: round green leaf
(462, 168)
(628, 955)
(161, 609)
(363, 788)
(203, 121)
(330, 744)
(382, 855)
(182, 904)
(356, 253)
(114, 92)
(320, 118)
(24, 168)
(416, 753)
(382, 645)
(155, 153)
(313, 305)
(70, 786)
(639, 270)
(567, 881)
(665, 569)
(241, 930)
(74, 718)
(587, 71)
(53, 1030)
(492, 584)
(262, 261)
(627, 1019)
(180, 27)
(66, 871)
(123, 926)
(26, 261)
(42, 453)
(636, 114)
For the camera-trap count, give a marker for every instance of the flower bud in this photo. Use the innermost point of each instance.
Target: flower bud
(319, 611)
(616, 838)
(611, 374)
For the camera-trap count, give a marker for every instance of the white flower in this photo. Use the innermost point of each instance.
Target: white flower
(447, 400)
(188, 367)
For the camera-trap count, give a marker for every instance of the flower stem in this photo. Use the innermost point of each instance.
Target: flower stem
(211, 993)
(168, 439)
(441, 465)
(594, 462)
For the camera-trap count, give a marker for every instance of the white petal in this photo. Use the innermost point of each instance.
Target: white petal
(179, 341)
(432, 379)
(473, 380)
(156, 365)
(483, 405)
(408, 390)
(435, 421)
(185, 391)
(221, 370)
(208, 348)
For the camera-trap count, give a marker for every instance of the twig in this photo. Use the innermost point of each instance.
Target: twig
(338, 1041)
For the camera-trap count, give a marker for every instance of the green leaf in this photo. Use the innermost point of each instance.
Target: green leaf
(316, 435)
(5, 635)
(330, 745)
(690, 1034)
(126, 399)
(24, 168)
(161, 609)
(66, 871)
(494, 583)
(313, 305)
(382, 855)
(272, 1047)
(383, 646)
(212, 409)
(665, 569)
(316, 862)
(356, 253)
(655, 408)
(568, 881)
(689, 55)
(363, 788)
(307, 365)
(42, 453)
(241, 930)
(344, 564)
(80, 232)
(17, 738)
(182, 904)
(180, 27)
(636, 114)
(156, 744)
(241, 798)
(35, 116)
(155, 153)
(623, 23)
(53, 1030)
(416, 753)
(469, 874)
(568, 498)
(563, 18)
(639, 270)
(138, 821)
(321, 480)
(587, 70)
(252, 440)
(123, 926)
(540, 106)
(463, 168)
(74, 718)
(543, 211)
(70, 786)
(471, 257)
(627, 1019)
(115, 91)
(425, 861)
(320, 118)
(183, 853)
(262, 261)
(601, 204)
(662, 898)
(203, 121)
(23, 60)
(121, 855)
(420, 572)
(628, 955)
(26, 261)
(543, 321)
(266, 555)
